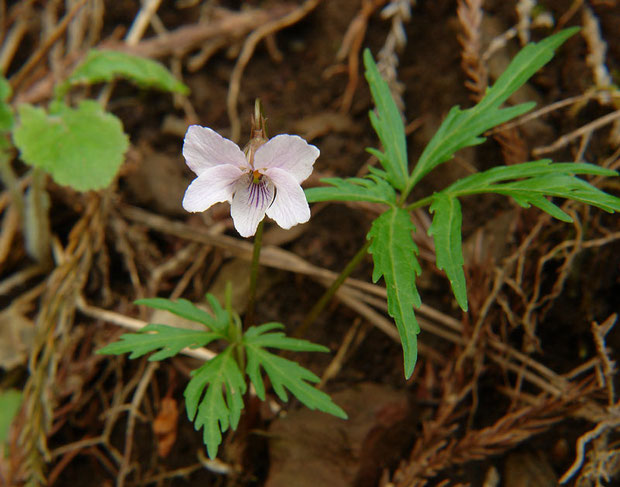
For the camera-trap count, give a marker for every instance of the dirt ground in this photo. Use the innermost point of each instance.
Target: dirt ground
(517, 391)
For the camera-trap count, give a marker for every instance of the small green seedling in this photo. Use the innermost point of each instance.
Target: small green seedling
(393, 251)
(214, 395)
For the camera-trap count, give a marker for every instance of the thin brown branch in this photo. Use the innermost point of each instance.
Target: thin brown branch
(268, 29)
(470, 15)
(37, 56)
(568, 138)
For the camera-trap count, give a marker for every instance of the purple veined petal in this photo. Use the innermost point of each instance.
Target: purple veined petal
(204, 148)
(214, 185)
(288, 152)
(290, 206)
(249, 204)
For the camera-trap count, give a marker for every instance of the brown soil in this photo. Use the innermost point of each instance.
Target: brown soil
(505, 389)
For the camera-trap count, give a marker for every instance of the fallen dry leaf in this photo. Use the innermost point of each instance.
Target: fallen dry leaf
(165, 426)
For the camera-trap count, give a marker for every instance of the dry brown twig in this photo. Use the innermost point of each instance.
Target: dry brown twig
(115, 462)
(131, 421)
(11, 42)
(43, 49)
(602, 462)
(597, 49)
(399, 12)
(53, 323)
(230, 26)
(85, 29)
(599, 332)
(224, 24)
(141, 21)
(268, 29)
(568, 138)
(474, 64)
(598, 466)
(434, 453)
(351, 45)
(470, 17)
(535, 301)
(351, 340)
(524, 10)
(573, 100)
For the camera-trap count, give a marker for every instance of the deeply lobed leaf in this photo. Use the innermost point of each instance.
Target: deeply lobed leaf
(394, 255)
(219, 406)
(259, 336)
(537, 181)
(446, 233)
(463, 128)
(373, 189)
(527, 61)
(169, 340)
(185, 309)
(540, 168)
(283, 373)
(388, 124)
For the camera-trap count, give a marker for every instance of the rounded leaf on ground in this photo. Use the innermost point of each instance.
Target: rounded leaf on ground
(80, 147)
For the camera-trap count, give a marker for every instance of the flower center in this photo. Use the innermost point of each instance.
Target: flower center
(260, 191)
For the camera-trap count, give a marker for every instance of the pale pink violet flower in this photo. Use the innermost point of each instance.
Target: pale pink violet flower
(263, 179)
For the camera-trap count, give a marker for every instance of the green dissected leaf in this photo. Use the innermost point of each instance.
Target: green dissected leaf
(462, 128)
(388, 124)
(105, 65)
(169, 340)
(10, 401)
(219, 321)
(284, 373)
(372, 188)
(82, 148)
(538, 180)
(214, 411)
(6, 114)
(258, 336)
(543, 167)
(394, 255)
(222, 318)
(446, 232)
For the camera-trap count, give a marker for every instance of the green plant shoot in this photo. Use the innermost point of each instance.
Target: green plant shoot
(214, 395)
(393, 250)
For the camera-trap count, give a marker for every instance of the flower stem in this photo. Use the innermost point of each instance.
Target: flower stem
(329, 293)
(258, 238)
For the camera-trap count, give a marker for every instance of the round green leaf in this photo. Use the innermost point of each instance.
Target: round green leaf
(6, 114)
(10, 401)
(82, 148)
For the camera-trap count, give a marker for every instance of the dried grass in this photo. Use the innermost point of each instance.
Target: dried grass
(67, 383)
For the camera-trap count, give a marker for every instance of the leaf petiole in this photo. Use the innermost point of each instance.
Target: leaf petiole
(258, 239)
(329, 293)
(419, 204)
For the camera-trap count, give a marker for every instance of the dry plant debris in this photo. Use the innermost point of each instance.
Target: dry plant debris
(79, 407)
